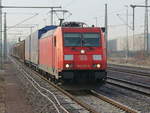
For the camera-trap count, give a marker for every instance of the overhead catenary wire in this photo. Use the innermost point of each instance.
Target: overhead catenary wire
(118, 15)
(68, 4)
(20, 13)
(24, 21)
(32, 7)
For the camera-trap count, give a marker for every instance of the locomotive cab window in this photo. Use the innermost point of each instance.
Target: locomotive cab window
(91, 40)
(72, 39)
(82, 39)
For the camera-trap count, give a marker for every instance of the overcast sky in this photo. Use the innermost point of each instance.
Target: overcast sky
(82, 10)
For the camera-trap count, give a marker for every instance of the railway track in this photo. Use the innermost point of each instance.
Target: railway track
(136, 87)
(80, 102)
(94, 93)
(43, 92)
(101, 101)
(131, 70)
(113, 102)
(84, 105)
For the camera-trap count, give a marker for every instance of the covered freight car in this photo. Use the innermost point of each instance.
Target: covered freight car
(18, 50)
(32, 46)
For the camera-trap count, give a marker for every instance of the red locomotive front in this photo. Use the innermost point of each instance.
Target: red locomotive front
(74, 54)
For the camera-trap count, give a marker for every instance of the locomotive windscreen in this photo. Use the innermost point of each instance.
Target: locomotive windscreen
(82, 39)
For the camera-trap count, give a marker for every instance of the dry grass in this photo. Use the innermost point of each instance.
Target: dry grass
(2, 79)
(140, 61)
(2, 95)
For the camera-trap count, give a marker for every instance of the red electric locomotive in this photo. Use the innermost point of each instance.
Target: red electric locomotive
(74, 53)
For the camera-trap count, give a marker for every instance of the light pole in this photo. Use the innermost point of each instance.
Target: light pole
(146, 28)
(95, 21)
(133, 25)
(5, 37)
(52, 16)
(1, 53)
(106, 29)
(127, 45)
(127, 31)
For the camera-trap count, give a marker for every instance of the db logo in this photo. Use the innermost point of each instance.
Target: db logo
(83, 57)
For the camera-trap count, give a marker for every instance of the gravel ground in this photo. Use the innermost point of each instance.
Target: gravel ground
(70, 105)
(2, 94)
(12, 99)
(130, 77)
(129, 98)
(136, 101)
(38, 102)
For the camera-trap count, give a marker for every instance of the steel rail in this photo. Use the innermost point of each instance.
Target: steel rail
(49, 92)
(84, 105)
(130, 72)
(128, 66)
(113, 102)
(111, 68)
(41, 92)
(129, 85)
(106, 99)
(46, 90)
(89, 108)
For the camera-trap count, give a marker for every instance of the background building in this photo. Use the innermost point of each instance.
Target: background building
(135, 45)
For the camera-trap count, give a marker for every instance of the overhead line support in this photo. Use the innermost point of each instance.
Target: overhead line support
(36, 7)
(146, 46)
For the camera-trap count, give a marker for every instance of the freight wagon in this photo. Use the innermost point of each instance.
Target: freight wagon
(32, 46)
(18, 50)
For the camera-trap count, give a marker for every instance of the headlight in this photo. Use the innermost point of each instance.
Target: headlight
(98, 65)
(82, 51)
(97, 57)
(68, 57)
(67, 65)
